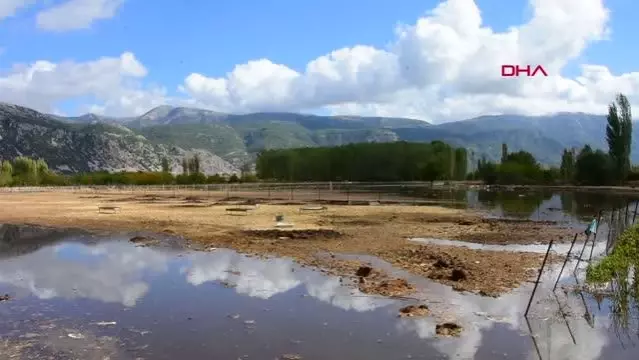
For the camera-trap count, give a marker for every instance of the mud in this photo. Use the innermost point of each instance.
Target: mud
(488, 273)
(366, 230)
(448, 329)
(306, 234)
(414, 310)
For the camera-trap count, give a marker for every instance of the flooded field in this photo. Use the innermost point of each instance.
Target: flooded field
(110, 294)
(80, 296)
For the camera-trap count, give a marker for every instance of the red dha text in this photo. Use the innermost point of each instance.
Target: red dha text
(516, 70)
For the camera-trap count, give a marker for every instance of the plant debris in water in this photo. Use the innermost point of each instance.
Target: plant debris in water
(414, 310)
(488, 273)
(448, 329)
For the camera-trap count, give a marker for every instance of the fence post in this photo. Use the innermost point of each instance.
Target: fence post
(319, 192)
(594, 238)
(291, 196)
(634, 214)
(541, 270)
(565, 261)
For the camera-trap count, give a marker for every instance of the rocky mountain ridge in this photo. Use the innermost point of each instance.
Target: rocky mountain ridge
(80, 147)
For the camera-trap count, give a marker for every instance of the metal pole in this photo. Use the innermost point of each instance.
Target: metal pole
(565, 261)
(594, 238)
(581, 254)
(541, 270)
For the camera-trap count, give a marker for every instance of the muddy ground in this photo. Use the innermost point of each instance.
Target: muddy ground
(379, 230)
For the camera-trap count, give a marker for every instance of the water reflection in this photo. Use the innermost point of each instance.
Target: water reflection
(565, 206)
(183, 298)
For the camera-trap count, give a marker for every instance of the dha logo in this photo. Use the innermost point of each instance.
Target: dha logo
(516, 70)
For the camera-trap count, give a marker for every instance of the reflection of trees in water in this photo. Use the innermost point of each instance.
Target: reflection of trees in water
(586, 204)
(18, 240)
(514, 203)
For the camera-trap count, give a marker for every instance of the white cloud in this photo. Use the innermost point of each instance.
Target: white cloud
(445, 66)
(113, 81)
(77, 14)
(9, 8)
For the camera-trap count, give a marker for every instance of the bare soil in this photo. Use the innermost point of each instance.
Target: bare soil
(356, 229)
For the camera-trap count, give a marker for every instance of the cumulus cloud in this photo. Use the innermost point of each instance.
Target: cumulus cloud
(113, 81)
(445, 66)
(115, 275)
(76, 14)
(10, 7)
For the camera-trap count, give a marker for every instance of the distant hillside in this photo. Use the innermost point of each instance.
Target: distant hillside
(77, 147)
(238, 138)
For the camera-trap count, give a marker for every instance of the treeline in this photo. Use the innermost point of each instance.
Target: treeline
(24, 171)
(398, 161)
(585, 166)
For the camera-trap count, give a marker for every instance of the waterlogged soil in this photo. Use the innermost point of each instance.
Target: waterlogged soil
(365, 230)
(491, 274)
(88, 296)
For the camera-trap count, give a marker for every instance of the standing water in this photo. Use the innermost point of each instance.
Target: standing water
(79, 296)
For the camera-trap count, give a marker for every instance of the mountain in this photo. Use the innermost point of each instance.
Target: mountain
(74, 146)
(233, 140)
(237, 138)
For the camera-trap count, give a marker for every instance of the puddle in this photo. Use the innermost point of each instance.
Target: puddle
(76, 296)
(560, 248)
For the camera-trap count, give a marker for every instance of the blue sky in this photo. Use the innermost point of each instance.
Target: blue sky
(172, 39)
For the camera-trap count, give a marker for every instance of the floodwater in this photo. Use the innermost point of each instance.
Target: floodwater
(571, 207)
(80, 296)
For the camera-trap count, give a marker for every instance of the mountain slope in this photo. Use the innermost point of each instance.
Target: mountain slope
(71, 147)
(238, 138)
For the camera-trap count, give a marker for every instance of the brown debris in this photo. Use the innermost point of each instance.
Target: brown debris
(488, 273)
(363, 271)
(365, 230)
(387, 287)
(414, 310)
(306, 234)
(448, 329)
(5, 297)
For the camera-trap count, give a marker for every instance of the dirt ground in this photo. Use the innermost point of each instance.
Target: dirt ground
(379, 230)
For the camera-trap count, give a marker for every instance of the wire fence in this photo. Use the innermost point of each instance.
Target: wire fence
(339, 192)
(611, 224)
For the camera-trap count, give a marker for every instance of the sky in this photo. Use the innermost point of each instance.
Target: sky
(433, 60)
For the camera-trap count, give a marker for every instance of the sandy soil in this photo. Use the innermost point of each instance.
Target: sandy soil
(375, 230)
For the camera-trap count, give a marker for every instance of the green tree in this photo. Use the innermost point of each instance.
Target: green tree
(185, 166)
(6, 172)
(592, 168)
(25, 171)
(619, 136)
(567, 168)
(504, 152)
(166, 167)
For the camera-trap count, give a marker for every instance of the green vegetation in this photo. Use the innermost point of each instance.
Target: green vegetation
(619, 137)
(398, 161)
(24, 171)
(620, 269)
(588, 167)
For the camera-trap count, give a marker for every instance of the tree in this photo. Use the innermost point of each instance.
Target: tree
(619, 136)
(185, 166)
(592, 167)
(196, 164)
(6, 171)
(567, 168)
(166, 167)
(504, 152)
